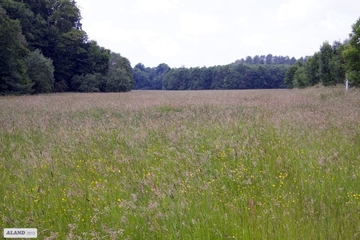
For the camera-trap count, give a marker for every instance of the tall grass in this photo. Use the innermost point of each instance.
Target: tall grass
(271, 164)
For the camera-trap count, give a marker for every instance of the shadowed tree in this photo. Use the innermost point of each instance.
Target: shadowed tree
(312, 68)
(269, 59)
(289, 76)
(326, 54)
(120, 75)
(351, 55)
(41, 72)
(13, 76)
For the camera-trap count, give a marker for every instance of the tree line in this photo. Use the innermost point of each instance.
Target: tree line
(44, 49)
(238, 75)
(231, 76)
(331, 65)
(147, 78)
(269, 59)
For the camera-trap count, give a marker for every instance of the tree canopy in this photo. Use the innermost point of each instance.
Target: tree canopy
(13, 51)
(326, 67)
(331, 65)
(351, 55)
(150, 78)
(231, 76)
(46, 36)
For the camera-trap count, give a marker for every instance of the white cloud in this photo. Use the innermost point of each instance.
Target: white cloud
(158, 44)
(241, 22)
(154, 43)
(200, 32)
(84, 6)
(194, 25)
(107, 30)
(294, 9)
(153, 6)
(254, 40)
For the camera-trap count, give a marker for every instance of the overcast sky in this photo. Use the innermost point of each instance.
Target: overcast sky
(194, 33)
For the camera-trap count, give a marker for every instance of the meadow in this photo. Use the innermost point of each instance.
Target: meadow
(252, 164)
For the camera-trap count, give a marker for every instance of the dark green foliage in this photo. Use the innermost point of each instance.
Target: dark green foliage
(232, 76)
(160, 72)
(19, 11)
(118, 78)
(326, 53)
(289, 76)
(62, 56)
(331, 64)
(337, 63)
(312, 67)
(300, 78)
(13, 51)
(196, 82)
(120, 74)
(218, 77)
(248, 60)
(236, 77)
(351, 55)
(258, 60)
(89, 83)
(41, 72)
(269, 59)
(206, 77)
(54, 27)
(326, 67)
(68, 53)
(97, 59)
(275, 76)
(149, 78)
(177, 79)
(141, 78)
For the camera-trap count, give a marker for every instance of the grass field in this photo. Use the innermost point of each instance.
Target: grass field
(269, 164)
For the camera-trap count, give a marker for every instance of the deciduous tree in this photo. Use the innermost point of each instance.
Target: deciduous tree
(41, 72)
(13, 51)
(120, 74)
(351, 55)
